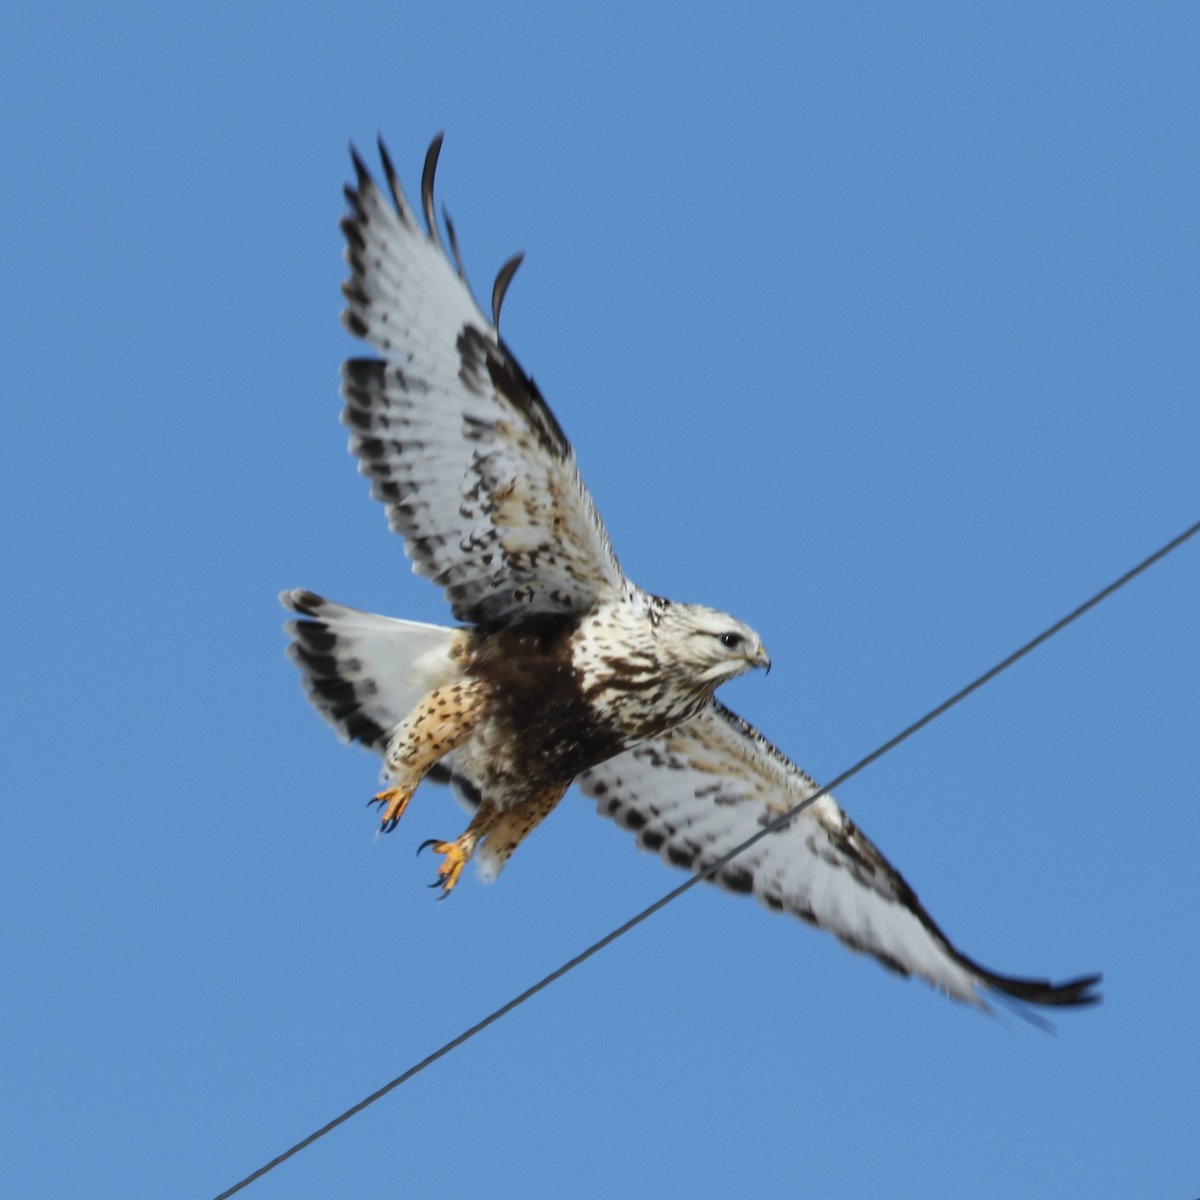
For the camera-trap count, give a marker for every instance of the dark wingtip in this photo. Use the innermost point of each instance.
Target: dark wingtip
(428, 175)
(389, 172)
(500, 287)
(301, 600)
(360, 167)
(1075, 993)
(458, 262)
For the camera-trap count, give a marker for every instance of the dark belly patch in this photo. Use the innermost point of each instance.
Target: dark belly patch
(536, 701)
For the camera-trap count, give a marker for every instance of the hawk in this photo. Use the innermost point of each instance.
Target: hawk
(561, 669)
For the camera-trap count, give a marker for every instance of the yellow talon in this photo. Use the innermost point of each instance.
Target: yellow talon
(451, 870)
(393, 802)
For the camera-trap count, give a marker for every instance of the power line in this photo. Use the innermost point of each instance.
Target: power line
(720, 863)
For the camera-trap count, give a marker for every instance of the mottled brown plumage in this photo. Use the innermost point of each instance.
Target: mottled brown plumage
(524, 709)
(537, 705)
(564, 669)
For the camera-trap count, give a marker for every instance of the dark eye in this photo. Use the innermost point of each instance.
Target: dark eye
(732, 640)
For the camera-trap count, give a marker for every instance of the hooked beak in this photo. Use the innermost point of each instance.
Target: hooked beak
(760, 658)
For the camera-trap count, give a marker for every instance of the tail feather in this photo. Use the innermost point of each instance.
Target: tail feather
(365, 673)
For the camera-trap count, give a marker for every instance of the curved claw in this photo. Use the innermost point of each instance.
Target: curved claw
(394, 802)
(427, 842)
(451, 869)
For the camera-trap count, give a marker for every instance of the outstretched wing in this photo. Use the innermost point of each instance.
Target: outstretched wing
(474, 470)
(703, 789)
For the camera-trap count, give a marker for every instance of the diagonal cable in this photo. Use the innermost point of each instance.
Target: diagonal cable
(721, 862)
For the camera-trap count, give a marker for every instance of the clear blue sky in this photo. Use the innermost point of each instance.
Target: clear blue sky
(874, 324)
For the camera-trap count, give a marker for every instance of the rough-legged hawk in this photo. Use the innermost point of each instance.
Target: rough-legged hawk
(562, 669)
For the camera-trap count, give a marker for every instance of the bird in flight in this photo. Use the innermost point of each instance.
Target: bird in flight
(561, 669)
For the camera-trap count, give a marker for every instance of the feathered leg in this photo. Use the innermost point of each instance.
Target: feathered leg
(500, 831)
(442, 720)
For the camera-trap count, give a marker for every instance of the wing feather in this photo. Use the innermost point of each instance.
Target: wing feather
(695, 794)
(473, 468)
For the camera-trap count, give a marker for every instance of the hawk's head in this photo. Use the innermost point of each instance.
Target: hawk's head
(706, 646)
